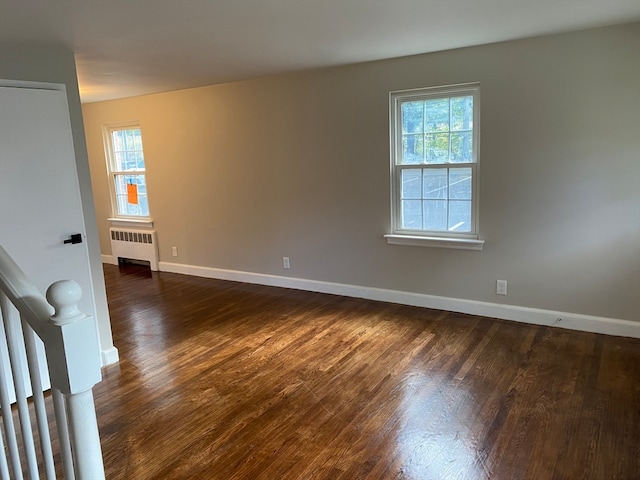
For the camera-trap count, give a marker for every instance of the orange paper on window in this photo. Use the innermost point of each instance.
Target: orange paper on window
(132, 193)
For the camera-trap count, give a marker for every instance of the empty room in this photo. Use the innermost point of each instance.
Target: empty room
(338, 240)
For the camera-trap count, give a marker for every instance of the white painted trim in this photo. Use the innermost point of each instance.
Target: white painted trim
(131, 222)
(110, 356)
(109, 259)
(536, 316)
(396, 98)
(441, 242)
(107, 141)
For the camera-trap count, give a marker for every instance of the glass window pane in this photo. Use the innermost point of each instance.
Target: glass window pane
(127, 150)
(126, 208)
(121, 186)
(437, 148)
(117, 140)
(412, 117)
(411, 214)
(460, 215)
(119, 160)
(462, 113)
(137, 139)
(461, 147)
(435, 214)
(412, 149)
(411, 184)
(139, 160)
(435, 183)
(130, 143)
(460, 183)
(124, 179)
(437, 115)
(144, 206)
(131, 162)
(122, 204)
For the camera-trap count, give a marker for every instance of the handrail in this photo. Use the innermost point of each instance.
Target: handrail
(73, 355)
(23, 293)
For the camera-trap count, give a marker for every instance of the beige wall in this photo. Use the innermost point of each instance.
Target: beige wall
(57, 65)
(297, 165)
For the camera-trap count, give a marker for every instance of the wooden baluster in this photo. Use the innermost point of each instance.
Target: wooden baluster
(4, 466)
(5, 403)
(63, 434)
(38, 400)
(13, 330)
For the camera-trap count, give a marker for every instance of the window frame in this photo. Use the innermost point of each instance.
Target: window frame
(112, 172)
(425, 237)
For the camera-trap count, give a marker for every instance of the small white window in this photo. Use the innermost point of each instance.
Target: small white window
(434, 136)
(126, 169)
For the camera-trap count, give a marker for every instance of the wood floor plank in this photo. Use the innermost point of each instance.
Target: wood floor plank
(230, 381)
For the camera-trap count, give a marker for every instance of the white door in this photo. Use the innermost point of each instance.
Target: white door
(40, 205)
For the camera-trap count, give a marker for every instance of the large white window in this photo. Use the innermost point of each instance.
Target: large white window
(434, 166)
(126, 168)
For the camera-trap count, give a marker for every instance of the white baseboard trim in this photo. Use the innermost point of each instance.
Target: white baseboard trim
(110, 356)
(536, 316)
(109, 259)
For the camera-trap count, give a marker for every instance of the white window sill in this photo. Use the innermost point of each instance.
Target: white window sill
(131, 222)
(438, 242)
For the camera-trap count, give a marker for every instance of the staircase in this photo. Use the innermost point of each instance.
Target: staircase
(73, 357)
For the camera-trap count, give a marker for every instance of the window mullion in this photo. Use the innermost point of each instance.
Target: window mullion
(128, 172)
(424, 133)
(422, 198)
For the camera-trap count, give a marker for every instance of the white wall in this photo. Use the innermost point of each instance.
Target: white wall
(297, 165)
(57, 65)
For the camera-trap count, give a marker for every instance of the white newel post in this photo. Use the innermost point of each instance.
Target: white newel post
(74, 367)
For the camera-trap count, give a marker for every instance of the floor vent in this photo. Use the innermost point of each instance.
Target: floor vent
(135, 245)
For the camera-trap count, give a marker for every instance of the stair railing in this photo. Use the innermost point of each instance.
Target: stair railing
(73, 356)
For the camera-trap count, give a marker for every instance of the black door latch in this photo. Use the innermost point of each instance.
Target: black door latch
(75, 238)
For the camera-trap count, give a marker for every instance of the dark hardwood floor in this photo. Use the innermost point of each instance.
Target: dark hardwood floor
(223, 380)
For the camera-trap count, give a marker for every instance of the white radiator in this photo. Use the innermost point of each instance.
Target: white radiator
(135, 245)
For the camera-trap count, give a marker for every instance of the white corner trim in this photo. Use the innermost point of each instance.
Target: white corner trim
(110, 356)
(109, 259)
(441, 242)
(536, 316)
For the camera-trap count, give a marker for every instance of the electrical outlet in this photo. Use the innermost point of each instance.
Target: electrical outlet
(174, 251)
(501, 287)
(285, 262)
